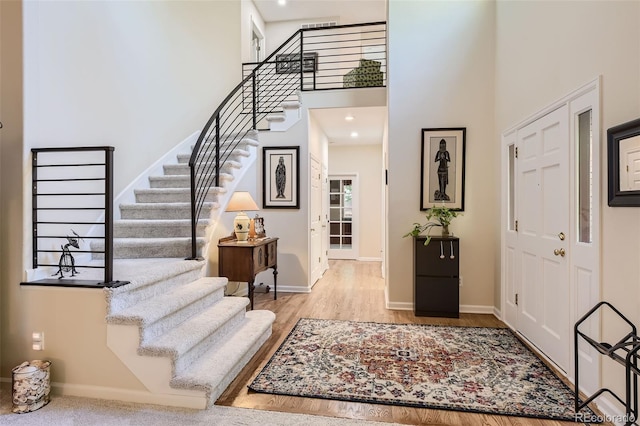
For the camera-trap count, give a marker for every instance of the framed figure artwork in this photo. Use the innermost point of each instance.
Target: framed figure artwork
(442, 168)
(281, 177)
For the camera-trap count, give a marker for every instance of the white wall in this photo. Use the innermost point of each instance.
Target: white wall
(140, 76)
(441, 74)
(366, 161)
(12, 218)
(544, 51)
(279, 32)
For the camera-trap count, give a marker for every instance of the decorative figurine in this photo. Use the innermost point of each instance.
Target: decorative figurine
(67, 263)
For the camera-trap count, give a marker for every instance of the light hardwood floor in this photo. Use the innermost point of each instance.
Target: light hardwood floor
(351, 290)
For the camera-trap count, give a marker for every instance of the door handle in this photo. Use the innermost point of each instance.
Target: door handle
(559, 252)
(561, 236)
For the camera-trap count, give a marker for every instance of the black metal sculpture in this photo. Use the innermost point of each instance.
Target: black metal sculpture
(67, 263)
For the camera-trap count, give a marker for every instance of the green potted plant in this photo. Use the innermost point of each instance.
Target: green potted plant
(442, 217)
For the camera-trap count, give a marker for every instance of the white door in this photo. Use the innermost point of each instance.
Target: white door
(324, 254)
(543, 224)
(315, 219)
(343, 216)
(551, 205)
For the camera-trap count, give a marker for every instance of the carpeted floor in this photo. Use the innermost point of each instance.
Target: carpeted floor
(474, 369)
(75, 411)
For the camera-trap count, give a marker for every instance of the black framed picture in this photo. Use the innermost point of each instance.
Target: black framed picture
(442, 168)
(281, 177)
(289, 63)
(623, 157)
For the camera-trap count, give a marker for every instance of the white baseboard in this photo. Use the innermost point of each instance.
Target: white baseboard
(476, 309)
(465, 309)
(293, 289)
(612, 410)
(369, 259)
(125, 395)
(498, 313)
(400, 306)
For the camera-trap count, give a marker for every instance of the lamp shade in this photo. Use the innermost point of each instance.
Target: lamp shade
(241, 201)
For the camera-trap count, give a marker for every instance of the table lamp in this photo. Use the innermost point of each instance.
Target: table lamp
(241, 202)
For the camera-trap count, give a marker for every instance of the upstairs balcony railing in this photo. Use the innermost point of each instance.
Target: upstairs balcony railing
(338, 57)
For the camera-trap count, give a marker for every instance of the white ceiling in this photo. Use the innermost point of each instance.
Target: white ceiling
(348, 11)
(368, 122)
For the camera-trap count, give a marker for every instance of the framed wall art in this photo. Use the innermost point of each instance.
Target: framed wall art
(623, 156)
(289, 63)
(281, 177)
(442, 168)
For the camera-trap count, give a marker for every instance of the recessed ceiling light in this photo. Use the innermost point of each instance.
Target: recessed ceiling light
(349, 117)
(282, 2)
(354, 134)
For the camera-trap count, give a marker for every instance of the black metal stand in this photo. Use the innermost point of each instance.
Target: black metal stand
(624, 352)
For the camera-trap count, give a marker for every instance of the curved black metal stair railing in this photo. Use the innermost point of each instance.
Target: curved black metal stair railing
(311, 59)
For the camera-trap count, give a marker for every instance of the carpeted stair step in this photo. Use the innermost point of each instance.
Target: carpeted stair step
(149, 278)
(173, 195)
(162, 313)
(137, 228)
(291, 105)
(229, 164)
(276, 118)
(217, 367)
(181, 181)
(184, 169)
(143, 248)
(185, 343)
(163, 210)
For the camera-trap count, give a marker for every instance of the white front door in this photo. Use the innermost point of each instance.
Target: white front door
(551, 206)
(543, 225)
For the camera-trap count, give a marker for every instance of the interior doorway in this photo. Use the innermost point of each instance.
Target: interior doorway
(257, 43)
(343, 216)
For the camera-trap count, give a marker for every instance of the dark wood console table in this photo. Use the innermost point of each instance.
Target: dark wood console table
(242, 261)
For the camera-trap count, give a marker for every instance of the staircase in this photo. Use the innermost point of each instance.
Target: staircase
(172, 326)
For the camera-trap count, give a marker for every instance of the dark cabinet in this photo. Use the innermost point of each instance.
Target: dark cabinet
(436, 277)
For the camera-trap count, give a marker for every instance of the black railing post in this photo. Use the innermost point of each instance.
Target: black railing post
(218, 150)
(34, 207)
(255, 99)
(108, 216)
(301, 60)
(193, 210)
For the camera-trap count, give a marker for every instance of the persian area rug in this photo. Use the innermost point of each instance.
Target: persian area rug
(474, 369)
